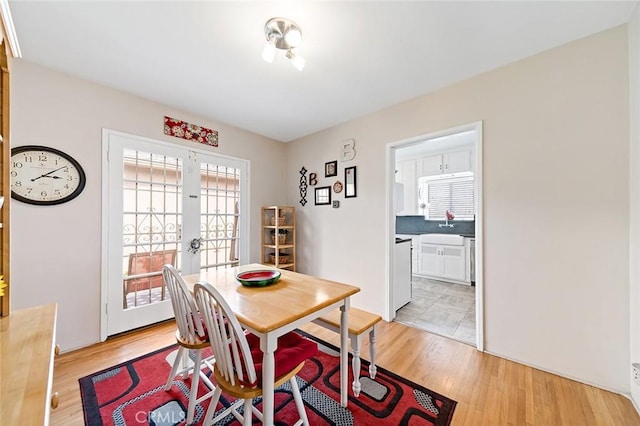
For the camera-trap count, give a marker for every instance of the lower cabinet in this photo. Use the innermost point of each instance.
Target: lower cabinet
(443, 261)
(27, 352)
(415, 251)
(401, 275)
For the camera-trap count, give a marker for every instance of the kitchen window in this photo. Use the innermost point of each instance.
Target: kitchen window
(455, 194)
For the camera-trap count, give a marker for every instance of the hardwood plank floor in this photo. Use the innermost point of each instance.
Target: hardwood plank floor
(489, 390)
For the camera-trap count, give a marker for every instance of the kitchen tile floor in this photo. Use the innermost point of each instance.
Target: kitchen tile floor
(442, 308)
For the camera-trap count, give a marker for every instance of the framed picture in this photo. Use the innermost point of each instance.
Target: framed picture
(350, 182)
(323, 196)
(331, 169)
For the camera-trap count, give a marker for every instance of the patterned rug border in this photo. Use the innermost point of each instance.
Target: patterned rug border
(88, 397)
(91, 410)
(391, 374)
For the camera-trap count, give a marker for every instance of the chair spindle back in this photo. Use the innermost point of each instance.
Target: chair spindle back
(227, 338)
(184, 306)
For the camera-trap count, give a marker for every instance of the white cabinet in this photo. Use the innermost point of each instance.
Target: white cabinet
(442, 261)
(430, 260)
(401, 275)
(450, 162)
(406, 174)
(432, 165)
(415, 250)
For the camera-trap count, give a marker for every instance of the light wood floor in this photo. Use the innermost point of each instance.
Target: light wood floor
(489, 390)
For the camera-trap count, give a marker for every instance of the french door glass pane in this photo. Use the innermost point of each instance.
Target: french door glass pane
(219, 195)
(152, 219)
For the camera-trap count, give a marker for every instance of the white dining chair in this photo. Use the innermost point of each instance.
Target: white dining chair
(190, 336)
(238, 354)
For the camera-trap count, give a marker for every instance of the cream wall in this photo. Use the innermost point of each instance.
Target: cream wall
(556, 261)
(634, 195)
(55, 251)
(556, 204)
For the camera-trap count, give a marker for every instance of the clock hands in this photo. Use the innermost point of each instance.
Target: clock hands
(47, 175)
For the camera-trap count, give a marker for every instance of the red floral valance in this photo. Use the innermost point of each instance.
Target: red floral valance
(192, 132)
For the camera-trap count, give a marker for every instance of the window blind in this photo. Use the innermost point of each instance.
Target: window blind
(453, 194)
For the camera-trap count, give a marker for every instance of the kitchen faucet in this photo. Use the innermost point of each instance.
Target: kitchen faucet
(448, 215)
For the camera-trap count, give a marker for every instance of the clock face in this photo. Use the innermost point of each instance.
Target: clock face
(44, 176)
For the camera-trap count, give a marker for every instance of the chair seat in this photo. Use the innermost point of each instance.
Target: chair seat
(243, 392)
(195, 344)
(292, 350)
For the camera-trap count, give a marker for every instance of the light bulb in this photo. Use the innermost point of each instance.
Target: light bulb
(296, 60)
(269, 50)
(293, 37)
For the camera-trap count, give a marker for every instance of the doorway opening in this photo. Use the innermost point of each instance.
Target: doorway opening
(435, 208)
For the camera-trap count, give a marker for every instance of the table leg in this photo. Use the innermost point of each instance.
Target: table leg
(268, 345)
(344, 352)
(355, 361)
(372, 353)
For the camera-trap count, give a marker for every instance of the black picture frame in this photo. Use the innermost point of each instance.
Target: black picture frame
(350, 182)
(323, 195)
(331, 169)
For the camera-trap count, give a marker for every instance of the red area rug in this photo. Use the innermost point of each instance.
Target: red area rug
(132, 393)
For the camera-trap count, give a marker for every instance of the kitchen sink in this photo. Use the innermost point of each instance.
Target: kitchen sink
(450, 239)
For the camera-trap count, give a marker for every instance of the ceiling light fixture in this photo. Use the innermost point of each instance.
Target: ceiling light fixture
(283, 34)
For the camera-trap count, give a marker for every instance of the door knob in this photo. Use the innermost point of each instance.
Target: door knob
(195, 245)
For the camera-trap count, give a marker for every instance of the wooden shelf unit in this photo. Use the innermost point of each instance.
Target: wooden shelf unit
(279, 247)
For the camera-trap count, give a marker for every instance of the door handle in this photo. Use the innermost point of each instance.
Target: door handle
(195, 245)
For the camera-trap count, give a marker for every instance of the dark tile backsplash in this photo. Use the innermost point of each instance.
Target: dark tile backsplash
(418, 225)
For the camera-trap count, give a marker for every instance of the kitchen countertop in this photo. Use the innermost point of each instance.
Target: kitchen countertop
(422, 233)
(418, 225)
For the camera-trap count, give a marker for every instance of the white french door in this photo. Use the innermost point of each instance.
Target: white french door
(165, 204)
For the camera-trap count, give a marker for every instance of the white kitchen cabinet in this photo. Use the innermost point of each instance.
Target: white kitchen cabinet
(432, 165)
(415, 251)
(447, 262)
(401, 274)
(430, 260)
(406, 174)
(450, 162)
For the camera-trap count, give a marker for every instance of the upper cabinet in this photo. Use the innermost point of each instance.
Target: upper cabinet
(450, 162)
(410, 170)
(407, 178)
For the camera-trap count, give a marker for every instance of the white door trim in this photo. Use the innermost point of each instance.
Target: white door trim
(244, 249)
(479, 228)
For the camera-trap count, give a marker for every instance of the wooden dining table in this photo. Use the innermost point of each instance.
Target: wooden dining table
(276, 309)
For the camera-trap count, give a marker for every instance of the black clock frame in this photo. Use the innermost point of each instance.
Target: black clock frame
(74, 194)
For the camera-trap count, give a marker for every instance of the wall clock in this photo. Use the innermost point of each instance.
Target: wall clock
(44, 176)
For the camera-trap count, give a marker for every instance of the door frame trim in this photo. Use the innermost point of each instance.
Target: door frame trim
(245, 249)
(391, 147)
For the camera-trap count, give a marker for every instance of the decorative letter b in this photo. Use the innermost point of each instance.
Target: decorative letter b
(348, 153)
